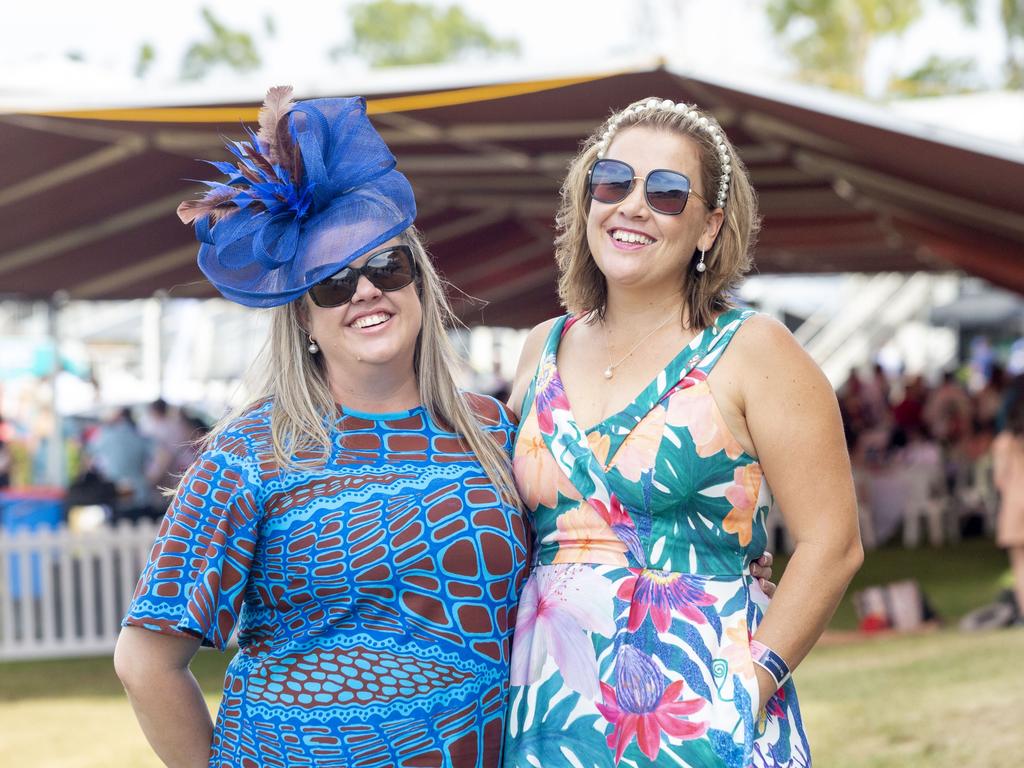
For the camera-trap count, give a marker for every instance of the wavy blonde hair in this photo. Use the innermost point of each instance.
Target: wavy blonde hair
(304, 409)
(581, 286)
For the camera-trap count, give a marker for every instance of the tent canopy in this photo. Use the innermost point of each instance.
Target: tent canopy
(87, 198)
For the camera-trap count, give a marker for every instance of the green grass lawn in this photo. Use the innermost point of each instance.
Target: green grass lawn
(942, 699)
(955, 579)
(945, 699)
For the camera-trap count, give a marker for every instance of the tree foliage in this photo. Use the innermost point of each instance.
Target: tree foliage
(145, 59)
(388, 33)
(224, 46)
(937, 76)
(831, 39)
(1012, 12)
(1011, 15)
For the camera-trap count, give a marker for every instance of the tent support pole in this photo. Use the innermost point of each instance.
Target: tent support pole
(55, 464)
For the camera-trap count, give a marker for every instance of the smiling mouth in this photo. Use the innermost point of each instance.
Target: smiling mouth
(370, 321)
(631, 238)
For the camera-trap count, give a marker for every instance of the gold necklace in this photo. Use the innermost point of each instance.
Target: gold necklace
(610, 370)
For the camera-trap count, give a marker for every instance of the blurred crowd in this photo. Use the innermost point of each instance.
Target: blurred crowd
(922, 453)
(882, 417)
(123, 461)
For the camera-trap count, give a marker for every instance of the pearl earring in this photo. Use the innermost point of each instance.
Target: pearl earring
(700, 264)
(313, 346)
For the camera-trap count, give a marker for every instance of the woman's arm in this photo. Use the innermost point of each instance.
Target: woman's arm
(165, 696)
(999, 462)
(793, 419)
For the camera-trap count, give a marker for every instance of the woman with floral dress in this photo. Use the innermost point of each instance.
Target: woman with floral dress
(654, 419)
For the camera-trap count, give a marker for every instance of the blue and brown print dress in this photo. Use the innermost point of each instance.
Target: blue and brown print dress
(373, 595)
(632, 643)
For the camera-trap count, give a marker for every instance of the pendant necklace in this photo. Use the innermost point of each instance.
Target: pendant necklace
(610, 370)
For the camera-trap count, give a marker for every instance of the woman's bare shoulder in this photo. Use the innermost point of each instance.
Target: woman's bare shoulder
(535, 340)
(533, 346)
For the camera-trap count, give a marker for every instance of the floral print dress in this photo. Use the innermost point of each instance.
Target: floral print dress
(632, 640)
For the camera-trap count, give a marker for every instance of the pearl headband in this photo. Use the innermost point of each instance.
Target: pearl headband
(692, 117)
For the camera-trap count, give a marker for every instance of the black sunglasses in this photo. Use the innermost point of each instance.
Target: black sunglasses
(611, 181)
(389, 270)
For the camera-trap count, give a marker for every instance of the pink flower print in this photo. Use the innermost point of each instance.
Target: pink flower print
(621, 523)
(549, 395)
(538, 476)
(695, 376)
(584, 536)
(736, 649)
(659, 593)
(694, 408)
(640, 707)
(774, 706)
(691, 379)
(742, 494)
(558, 606)
(639, 450)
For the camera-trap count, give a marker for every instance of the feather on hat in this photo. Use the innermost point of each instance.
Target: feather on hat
(314, 189)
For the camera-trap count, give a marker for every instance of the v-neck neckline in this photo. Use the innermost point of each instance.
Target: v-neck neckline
(571, 447)
(687, 358)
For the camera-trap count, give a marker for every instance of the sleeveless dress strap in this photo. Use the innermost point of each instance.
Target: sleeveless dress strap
(561, 325)
(567, 443)
(708, 347)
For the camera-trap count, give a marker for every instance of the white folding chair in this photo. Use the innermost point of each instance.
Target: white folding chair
(975, 494)
(927, 502)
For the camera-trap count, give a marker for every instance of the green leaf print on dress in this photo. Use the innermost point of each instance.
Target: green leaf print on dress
(632, 638)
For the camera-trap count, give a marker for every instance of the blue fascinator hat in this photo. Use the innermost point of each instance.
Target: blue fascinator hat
(313, 190)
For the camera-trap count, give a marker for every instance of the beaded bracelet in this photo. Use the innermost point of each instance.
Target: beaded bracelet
(770, 662)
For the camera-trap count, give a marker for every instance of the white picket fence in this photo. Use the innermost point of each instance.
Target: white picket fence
(63, 593)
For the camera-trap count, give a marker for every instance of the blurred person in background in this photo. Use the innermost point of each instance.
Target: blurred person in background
(1008, 470)
(989, 399)
(198, 429)
(875, 392)
(121, 455)
(908, 413)
(948, 410)
(5, 454)
(173, 448)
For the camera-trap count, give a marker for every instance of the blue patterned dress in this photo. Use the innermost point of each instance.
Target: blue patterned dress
(374, 597)
(632, 642)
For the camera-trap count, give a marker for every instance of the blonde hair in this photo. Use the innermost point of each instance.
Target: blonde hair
(581, 286)
(304, 409)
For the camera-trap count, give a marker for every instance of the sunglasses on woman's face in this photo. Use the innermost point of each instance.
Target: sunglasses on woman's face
(389, 270)
(611, 181)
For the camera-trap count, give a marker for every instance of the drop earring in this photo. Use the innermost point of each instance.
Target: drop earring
(313, 346)
(700, 264)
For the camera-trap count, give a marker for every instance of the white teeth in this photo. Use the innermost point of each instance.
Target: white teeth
(631, 237)
(368, 320)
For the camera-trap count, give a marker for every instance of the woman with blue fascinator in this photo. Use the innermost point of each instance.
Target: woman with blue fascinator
(658, 420)
(356, 524)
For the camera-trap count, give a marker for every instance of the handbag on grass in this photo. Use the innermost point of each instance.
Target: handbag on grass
(900, 605)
